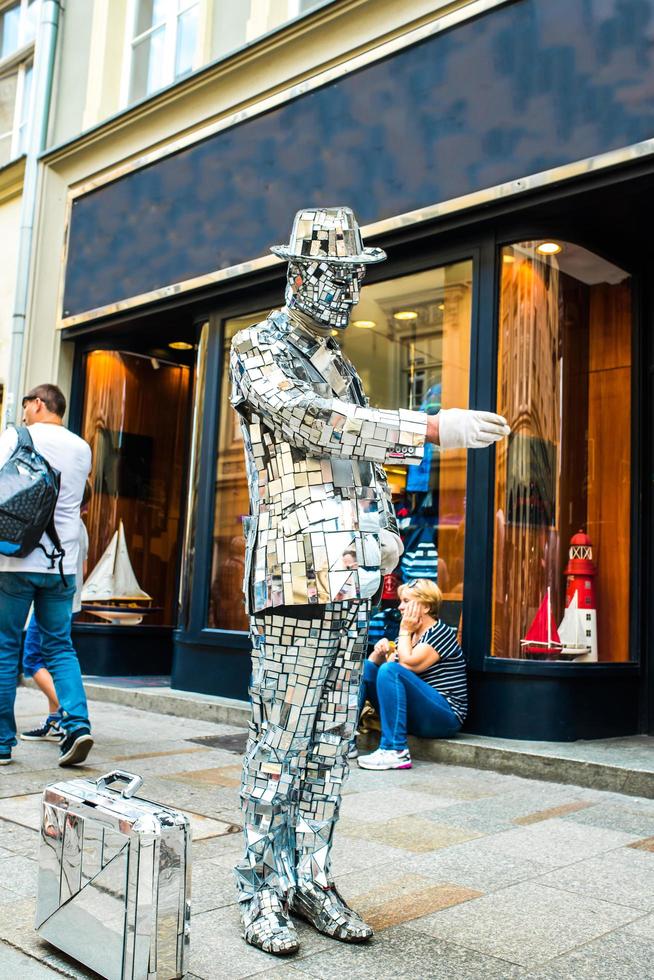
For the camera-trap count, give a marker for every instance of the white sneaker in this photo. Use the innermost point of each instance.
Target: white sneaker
(386, 759)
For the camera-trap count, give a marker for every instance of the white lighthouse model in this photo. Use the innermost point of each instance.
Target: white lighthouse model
(578, 629)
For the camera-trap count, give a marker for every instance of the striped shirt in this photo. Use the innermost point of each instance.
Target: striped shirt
(448, 674)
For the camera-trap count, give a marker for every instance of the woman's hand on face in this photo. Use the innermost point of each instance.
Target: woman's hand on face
(411, 617)
(380, 651)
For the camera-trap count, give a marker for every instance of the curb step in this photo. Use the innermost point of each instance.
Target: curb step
(473, 751)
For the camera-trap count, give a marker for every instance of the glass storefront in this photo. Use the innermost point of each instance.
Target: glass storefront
(562, 525)
(410, 341)
(135, 418)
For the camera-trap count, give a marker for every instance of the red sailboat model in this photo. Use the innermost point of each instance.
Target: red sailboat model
(542, 636)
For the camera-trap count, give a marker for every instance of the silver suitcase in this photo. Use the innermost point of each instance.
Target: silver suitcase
(114, 879)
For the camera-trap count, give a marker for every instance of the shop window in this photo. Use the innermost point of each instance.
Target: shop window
(136, 420)
(164, 44)
(561, 575)
(410, 341)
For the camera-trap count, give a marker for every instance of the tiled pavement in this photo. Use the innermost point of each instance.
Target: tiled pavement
(464, 874)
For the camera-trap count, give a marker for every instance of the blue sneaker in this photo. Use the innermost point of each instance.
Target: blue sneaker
(75, 747)
(50, 731)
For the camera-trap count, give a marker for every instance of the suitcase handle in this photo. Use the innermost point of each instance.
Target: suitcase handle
(133, 782)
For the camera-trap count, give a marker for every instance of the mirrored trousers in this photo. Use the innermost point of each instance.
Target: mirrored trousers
(304, 690)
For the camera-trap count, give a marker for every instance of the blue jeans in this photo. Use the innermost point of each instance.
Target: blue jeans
(32, 652)
(405, 704)
(53, 602)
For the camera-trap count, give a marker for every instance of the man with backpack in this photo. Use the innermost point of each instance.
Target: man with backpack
(32, 462)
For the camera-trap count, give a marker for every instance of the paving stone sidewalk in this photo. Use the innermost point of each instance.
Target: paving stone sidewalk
(465, 874)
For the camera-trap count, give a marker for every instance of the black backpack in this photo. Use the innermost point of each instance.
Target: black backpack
(29, 488)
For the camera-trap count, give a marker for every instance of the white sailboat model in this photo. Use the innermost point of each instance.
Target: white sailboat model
(112, 592)
(571, 632)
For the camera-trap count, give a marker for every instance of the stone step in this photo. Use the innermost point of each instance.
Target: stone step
(619, 765)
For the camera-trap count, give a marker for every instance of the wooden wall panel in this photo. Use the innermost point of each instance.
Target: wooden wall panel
(609, 463)
(452, 466)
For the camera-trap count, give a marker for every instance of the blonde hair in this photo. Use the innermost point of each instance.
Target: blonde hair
(425, 591)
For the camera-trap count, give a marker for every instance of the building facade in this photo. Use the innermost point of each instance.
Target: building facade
(501, 153)
(18, 31)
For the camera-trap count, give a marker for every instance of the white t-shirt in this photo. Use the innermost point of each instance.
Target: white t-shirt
(82, 555)
(72, 457)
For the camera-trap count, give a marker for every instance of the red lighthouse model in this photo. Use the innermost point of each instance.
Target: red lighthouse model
(579, 626)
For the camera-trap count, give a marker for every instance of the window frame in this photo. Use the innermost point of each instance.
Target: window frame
(19, 62)
(197, 629)
(24, 41)
(479, 635)
(170, 25)
(19, 124)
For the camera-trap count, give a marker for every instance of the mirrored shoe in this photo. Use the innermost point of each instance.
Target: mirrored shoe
(267, 926)
(329, 913)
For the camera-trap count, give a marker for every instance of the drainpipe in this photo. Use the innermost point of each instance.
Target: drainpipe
(44, 61)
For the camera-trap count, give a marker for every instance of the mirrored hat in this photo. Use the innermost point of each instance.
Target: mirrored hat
(328, 235)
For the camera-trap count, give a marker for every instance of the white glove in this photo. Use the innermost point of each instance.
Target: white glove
(463, 429)
(391, 550)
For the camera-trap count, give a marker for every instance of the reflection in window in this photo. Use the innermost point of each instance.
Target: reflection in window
(410, 342)
(17, 26)
(25, 110)
(564, 383)
(164, 44)
(8, 89)
(237, 24)
(15, 112)
(9, 30)
(135, 420)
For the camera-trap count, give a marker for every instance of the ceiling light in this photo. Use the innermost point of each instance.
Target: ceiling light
(405, 315)
(180, 345)
(441, 306)
(364, 324)
(508, 259)
(549, 248)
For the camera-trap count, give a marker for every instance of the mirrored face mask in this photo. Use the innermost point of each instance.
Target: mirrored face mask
(324, 291)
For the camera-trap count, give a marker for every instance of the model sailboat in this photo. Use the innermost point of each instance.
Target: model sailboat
(571, 633)
(111, 591)
(544, 638)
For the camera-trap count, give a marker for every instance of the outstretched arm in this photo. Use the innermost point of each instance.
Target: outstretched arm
(264, 383)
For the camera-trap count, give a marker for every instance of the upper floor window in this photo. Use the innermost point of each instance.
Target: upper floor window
(17, 30)
(17, 26)
(236, 24)
(164, 44)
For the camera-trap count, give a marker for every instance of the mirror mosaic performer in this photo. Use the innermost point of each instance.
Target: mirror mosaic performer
(320, 536)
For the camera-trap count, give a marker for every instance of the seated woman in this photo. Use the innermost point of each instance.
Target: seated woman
(418, 686)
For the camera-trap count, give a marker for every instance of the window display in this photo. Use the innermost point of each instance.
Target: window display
(135, 419)
(562, 479)
(409, 340)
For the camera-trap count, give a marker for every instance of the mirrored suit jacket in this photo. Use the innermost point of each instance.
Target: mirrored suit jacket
(314, 453)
